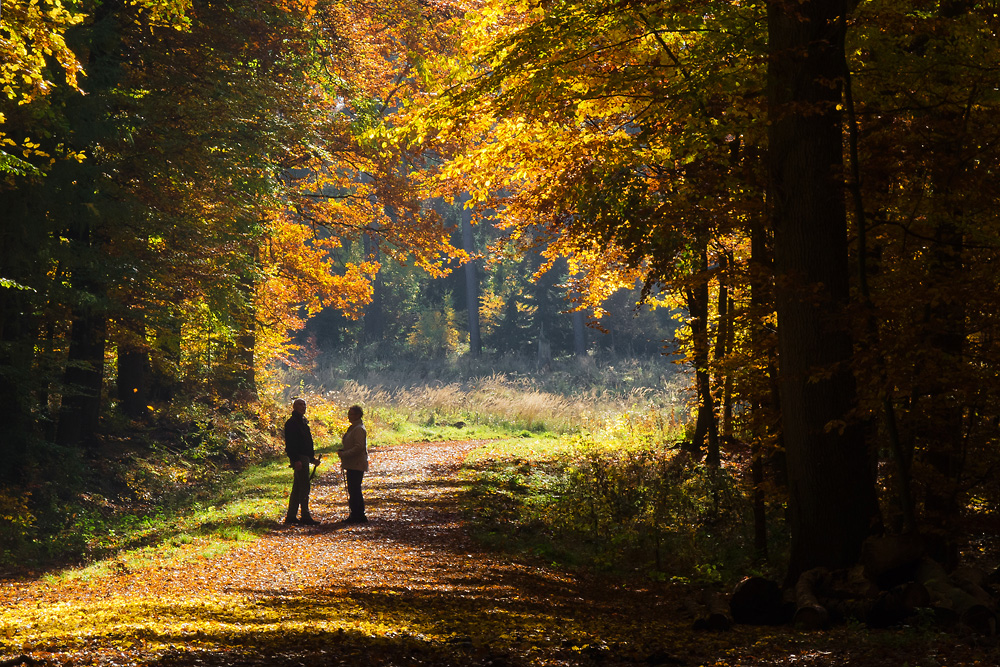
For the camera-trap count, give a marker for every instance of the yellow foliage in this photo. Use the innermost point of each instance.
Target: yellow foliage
(299, 279)
(435, 332)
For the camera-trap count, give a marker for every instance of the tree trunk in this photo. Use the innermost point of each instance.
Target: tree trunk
(165, 360)
(764, 405)
(579, 335)
(374, 317)
(15, 367)
(832, 500)
(706, 427)
(84, 378)
(133, 380)
(471, 280)
(374, 314)
(246, 341)
(723, 346)
(18, 237)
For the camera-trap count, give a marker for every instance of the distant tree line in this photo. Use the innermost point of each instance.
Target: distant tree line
(517, 313)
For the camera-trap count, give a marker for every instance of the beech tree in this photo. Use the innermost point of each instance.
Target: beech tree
(831, 475)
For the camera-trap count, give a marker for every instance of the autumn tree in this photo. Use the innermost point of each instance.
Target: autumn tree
(648, 140)
(922, 191)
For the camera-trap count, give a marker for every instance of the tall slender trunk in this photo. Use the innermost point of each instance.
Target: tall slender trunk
(374, 316)
(943, 413)
(471, 281)
(706, 432)
(902, 461)
(723, 345)
(246, 342)
(579, 335)
(761, 428)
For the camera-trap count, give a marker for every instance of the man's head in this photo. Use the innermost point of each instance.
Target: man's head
(355, 413)
(299, 406)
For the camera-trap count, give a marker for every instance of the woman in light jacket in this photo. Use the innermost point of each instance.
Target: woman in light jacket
(354, 461)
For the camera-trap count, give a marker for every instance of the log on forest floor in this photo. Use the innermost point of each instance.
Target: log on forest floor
(887, 588)
(709, 611)
(809, 613)
(759, 601)
(958, 598)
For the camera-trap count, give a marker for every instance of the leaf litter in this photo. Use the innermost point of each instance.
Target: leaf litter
(409, 588)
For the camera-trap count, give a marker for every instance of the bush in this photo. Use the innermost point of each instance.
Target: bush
(648, 508)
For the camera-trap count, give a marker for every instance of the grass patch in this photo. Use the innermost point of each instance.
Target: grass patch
(501, 396)
(245, 506)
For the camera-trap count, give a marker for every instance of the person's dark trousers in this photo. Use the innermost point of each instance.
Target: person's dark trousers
(355, 501)
(299, 497)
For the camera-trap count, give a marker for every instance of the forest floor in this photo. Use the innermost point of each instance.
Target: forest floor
(408, 588)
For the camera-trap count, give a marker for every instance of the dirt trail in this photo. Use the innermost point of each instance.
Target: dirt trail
(408, 588)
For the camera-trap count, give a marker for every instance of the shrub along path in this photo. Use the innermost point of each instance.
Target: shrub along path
(408, 588)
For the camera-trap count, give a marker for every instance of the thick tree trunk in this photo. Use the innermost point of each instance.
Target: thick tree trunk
(81, 404)
(133, 380)
(832, 500)
(15, 367)
(17, 237)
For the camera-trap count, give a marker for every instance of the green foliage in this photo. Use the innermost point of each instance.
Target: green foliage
(630, 508)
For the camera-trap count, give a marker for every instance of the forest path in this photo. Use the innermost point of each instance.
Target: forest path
(408, 588)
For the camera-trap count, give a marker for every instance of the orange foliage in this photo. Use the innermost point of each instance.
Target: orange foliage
(299, 279)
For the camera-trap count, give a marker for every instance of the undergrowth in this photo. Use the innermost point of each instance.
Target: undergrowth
(138, 485)
(634, 507)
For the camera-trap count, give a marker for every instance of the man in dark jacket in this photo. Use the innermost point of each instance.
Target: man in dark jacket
(299, 447)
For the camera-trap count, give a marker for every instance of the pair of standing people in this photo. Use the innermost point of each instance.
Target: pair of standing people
(353, 460)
